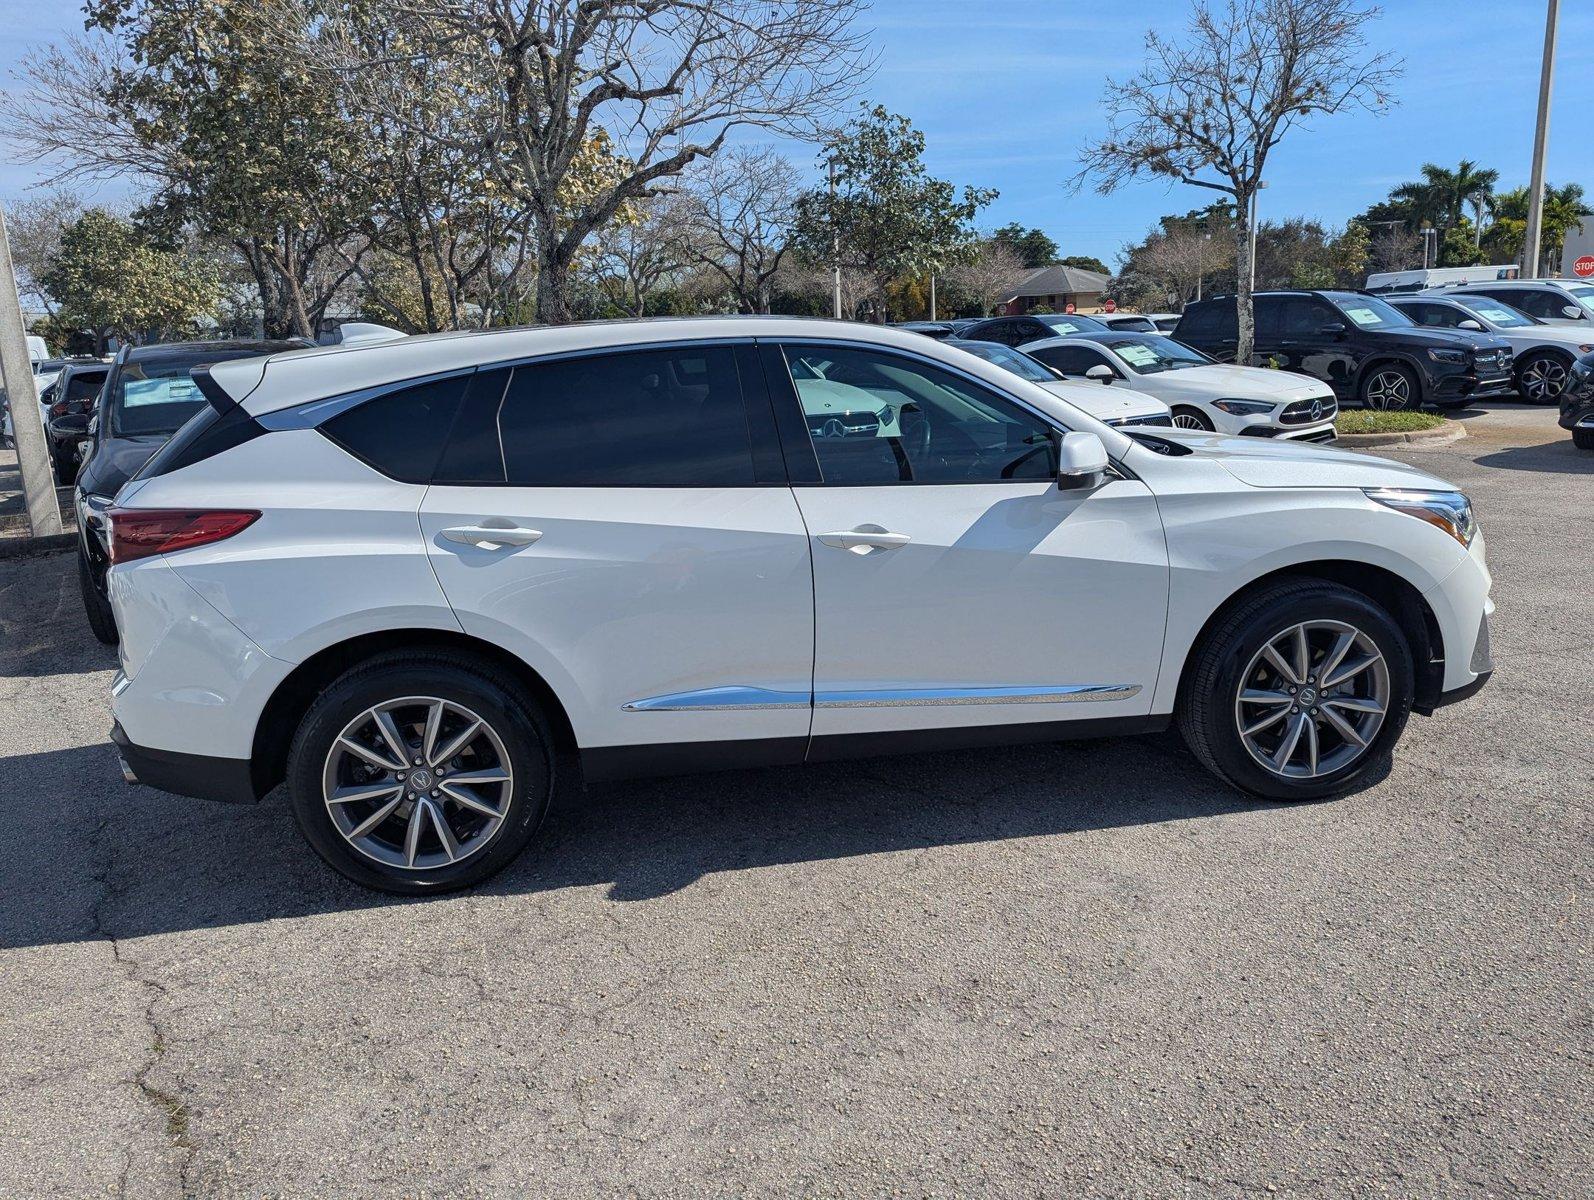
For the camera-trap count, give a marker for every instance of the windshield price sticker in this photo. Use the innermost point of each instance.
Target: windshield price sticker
(1362, 316)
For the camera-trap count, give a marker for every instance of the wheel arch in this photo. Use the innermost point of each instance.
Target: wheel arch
(1384, 358)
(280, 717)
(1396, 595)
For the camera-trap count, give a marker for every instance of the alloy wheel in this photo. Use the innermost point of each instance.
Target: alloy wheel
(1312, 700)
(1184, 420)
(1388, 390)
(418, 783)
(1543, 380)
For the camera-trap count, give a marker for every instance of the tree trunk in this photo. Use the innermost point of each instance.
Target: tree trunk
(1242, 290)
(553, 288)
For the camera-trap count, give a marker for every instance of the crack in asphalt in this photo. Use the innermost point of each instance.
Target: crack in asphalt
(174, 1111)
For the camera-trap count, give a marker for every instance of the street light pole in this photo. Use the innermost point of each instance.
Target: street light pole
(1541, 136)
(1259, 186)
(835, 245)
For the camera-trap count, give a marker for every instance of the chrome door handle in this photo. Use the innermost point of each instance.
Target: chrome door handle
(491, 537)
(864, 539)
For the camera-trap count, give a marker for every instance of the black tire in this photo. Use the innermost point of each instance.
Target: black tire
(1206, 707)
(1390, 387)
(1541, 376)
(1193, 418)
(1583, 439)
(102, 621)
(65, 469)
(459, 679)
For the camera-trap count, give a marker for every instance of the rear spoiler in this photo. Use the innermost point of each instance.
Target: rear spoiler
(217, 396)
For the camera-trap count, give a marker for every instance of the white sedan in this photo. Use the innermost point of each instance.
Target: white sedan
(1112, 406)
(1203, 393)
(1544, 352)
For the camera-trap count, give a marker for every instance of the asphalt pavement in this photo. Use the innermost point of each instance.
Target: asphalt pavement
(1076, 970)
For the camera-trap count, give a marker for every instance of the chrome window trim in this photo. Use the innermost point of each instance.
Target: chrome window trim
(741, 698)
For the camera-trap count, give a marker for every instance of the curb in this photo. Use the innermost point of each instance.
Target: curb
(27, 547)
(1439, 435)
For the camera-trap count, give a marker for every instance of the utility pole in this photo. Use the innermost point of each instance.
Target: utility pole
(1541, 136)
(932, 295)
(22, 394)
(835, 245)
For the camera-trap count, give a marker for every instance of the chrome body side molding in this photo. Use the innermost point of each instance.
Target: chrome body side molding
(721, 699)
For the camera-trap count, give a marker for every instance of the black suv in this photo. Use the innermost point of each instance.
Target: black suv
(149, 395)
(1015, 331)
(1361, 346)
(1577, 403)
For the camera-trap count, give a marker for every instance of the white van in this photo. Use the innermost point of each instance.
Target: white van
(1431, 277)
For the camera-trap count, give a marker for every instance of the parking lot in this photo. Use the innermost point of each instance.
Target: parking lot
(1080, 969)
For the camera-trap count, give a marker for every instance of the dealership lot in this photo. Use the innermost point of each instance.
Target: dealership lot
(1073, 969)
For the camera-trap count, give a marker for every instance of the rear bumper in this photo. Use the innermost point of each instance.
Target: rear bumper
(1466, 692)
(229, 780)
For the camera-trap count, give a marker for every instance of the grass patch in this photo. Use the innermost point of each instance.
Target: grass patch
(1365, 420)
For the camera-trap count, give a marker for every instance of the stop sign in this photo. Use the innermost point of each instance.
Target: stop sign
(1584, 267)
(1110, 306)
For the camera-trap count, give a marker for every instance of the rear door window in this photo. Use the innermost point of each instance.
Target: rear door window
(401, 432)
(667, 417)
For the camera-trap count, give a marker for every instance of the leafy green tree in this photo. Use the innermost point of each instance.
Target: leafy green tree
(1033, 247)
(888, 217)
(1086, 262)
(1564, 210)
(109, 279)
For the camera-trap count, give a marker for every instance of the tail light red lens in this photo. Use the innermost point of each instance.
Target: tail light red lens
(141, 532)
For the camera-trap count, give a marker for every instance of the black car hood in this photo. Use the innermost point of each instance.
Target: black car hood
(114, 462)
(1450, 339)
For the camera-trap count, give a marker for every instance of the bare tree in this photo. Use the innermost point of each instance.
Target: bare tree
(34, 227)
(1174, 262)
(1394, 248)
(988, 274)
(662, 82)
(631, 258)
(1207, 111)
(738, 220)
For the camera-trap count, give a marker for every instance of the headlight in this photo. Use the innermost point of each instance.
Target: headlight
(1242, 408)
(1450, 511)
(1448, 356)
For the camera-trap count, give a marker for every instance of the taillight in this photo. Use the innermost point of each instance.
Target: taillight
(141, 532)
(58, 409)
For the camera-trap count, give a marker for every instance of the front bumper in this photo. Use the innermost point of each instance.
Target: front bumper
(229, 780)
(1473, 386)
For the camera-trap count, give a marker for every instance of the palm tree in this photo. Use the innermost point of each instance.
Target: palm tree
(1442, 194)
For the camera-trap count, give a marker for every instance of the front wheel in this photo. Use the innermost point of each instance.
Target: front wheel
(1301, 693)
(1541, 378)
(65, 469)
(421, 772)
(102, 621)
(1583, 439)
(1391, 387)
(1191, 418)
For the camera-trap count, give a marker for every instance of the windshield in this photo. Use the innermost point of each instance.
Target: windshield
(1369, 312)
(1149, 354)
(1496, 313)
(1021, 365)
(1585, 296)
(1068, 322)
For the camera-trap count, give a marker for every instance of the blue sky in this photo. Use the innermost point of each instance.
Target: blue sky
(1007, 91)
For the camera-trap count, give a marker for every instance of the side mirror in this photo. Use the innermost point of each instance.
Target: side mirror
(1100, 373)
(1573, 311)
(1469, 326)
(1332, 329)
(1081, 462)
(69, 425)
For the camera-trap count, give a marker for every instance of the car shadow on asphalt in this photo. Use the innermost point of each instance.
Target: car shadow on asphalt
(1559, 457)
(92, 859)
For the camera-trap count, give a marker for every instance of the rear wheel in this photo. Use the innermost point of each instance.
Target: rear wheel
(1390, 387)
(1541, 377)
(102, 621)
(65, 468)
(1301, 693)
(419, 773)
(1583, 439)
(1191, 418)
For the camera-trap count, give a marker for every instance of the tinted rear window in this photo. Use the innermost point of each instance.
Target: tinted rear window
(401, 432)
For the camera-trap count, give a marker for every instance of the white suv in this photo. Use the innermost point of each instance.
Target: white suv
(428, 582)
